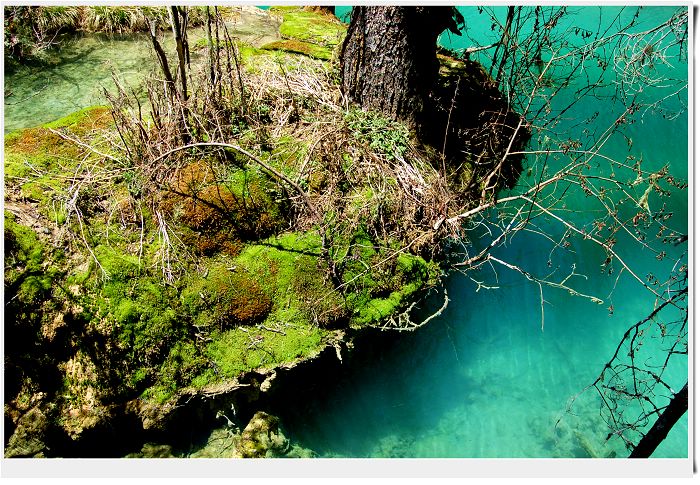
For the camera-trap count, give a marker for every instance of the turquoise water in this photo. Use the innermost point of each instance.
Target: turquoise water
(485, 379)
(74, 79)
(75, 76)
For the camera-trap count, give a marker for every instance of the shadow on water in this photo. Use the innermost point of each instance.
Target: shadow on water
(362, 407)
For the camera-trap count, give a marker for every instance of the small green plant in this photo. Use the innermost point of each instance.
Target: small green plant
(310, 27)
(382, 135)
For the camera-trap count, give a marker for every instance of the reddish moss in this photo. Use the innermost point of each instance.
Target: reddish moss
(221, 214)
(219, 242)
(192, 177)
(299, 47)
(42, 141)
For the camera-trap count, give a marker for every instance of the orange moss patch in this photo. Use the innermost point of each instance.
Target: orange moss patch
(42, 141)
(220, 211)
(193, 176)
(207, 245)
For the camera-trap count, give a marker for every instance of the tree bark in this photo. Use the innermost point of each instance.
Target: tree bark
(676, 408)
(388, 59)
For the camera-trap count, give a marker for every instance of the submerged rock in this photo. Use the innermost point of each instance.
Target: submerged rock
(262, 438)
(151, 450)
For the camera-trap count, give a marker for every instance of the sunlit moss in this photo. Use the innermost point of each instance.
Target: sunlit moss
(242, 349)
(36, 159)
(289, 267)
(26, 272)
(225, 297)
(117, 265)
(310, 26)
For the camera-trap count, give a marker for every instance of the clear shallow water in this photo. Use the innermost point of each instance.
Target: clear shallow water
(74, 79)
(75, 76)
(484, 380)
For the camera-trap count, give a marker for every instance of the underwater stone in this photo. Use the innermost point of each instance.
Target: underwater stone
(262, 438)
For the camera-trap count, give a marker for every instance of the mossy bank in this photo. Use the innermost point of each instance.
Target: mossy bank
(122, 299)
(142, 294)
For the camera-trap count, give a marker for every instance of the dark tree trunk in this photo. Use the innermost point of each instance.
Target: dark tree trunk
(388, 59)
(676, 408)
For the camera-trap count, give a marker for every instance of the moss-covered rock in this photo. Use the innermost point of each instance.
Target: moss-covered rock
(38, 160)
(262, 438)
(225, 297)
(29, 438)
(222, 207)
(213, 272)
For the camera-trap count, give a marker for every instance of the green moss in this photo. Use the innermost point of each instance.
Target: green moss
(84, 120)
(287, 267)
(117, 265)
(33, 271)
(379, 281)
(30, 268)
(138, 377)
(225, 297)
(182, 365)
(42, 142)
(246, 51)
(203, 379)
(237, 350)
(147, 319)
(37, 159)
(378, 309)
(159, 393)
(310, 27)
(22, 243)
